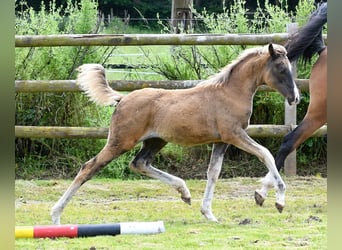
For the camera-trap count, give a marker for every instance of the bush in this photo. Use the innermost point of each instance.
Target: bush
(64, 109)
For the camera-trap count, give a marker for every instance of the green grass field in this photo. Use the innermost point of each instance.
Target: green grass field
(242, 224)
(136, 56)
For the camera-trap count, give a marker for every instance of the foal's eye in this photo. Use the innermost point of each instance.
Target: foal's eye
(282, 68)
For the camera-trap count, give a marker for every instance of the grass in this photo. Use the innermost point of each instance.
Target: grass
(136, 56)
(242, 224)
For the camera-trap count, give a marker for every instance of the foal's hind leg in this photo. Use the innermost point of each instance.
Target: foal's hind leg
(142, 164)
(247, 144)
(87, 171)
(214, 170)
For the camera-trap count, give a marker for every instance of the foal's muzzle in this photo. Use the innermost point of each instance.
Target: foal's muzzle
(295, 99)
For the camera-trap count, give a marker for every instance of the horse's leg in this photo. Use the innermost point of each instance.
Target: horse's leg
(87, 171)
(244, 142)
(214, 170)
(142, 164)
(315, 117)
(292, 140)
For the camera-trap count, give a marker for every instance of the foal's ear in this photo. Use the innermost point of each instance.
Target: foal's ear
(271, 51)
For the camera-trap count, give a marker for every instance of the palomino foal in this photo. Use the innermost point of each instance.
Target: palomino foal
(216, 111)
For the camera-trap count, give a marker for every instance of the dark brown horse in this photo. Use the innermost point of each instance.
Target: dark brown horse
(216, 111)
(305, 43)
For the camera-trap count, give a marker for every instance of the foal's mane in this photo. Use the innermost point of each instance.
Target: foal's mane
(223, 76)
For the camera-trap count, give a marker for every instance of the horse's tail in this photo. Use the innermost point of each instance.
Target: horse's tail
(308, 40)
(92, 80)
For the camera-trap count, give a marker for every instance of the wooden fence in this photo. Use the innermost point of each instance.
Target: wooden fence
(126, 85)
(149, 39)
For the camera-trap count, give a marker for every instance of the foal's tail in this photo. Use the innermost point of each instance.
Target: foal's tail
(92, 80)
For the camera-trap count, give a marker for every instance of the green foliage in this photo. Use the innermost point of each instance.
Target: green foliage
(53, 109)
(304, 10)
(117, 26)
(232, 20)
(195, 62)
(276, 17)
(118, 169)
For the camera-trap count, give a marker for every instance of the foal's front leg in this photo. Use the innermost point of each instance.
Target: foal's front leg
(214, 170)
(260, 194)
(273, 177)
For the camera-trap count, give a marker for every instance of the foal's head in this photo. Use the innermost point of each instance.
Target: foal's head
(278, 74)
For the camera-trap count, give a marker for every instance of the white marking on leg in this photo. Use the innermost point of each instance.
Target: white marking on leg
(214, 170)
(57, 209)
(176, 182)
(273, 176)
(206, 209)
(267, 183)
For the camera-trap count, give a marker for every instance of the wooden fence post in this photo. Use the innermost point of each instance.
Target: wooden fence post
(181, 15)
(290, 165)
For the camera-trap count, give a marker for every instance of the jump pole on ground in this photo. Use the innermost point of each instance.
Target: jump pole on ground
(89, 230)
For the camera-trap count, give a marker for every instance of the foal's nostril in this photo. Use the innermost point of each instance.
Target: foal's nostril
(293, 100)
(296, 95)
(297, 98)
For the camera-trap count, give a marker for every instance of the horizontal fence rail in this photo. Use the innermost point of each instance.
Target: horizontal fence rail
(34, 86)
(258, 131)
(148, 39)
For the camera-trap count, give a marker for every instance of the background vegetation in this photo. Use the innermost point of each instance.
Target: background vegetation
(43, 158)
(136, 9)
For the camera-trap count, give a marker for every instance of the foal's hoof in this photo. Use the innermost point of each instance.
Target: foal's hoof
(279, 207)
(258, 198)
(186, 200)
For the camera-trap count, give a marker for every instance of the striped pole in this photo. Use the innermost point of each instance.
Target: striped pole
(88, 230)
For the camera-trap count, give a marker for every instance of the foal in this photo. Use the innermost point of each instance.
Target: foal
(216, 111)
